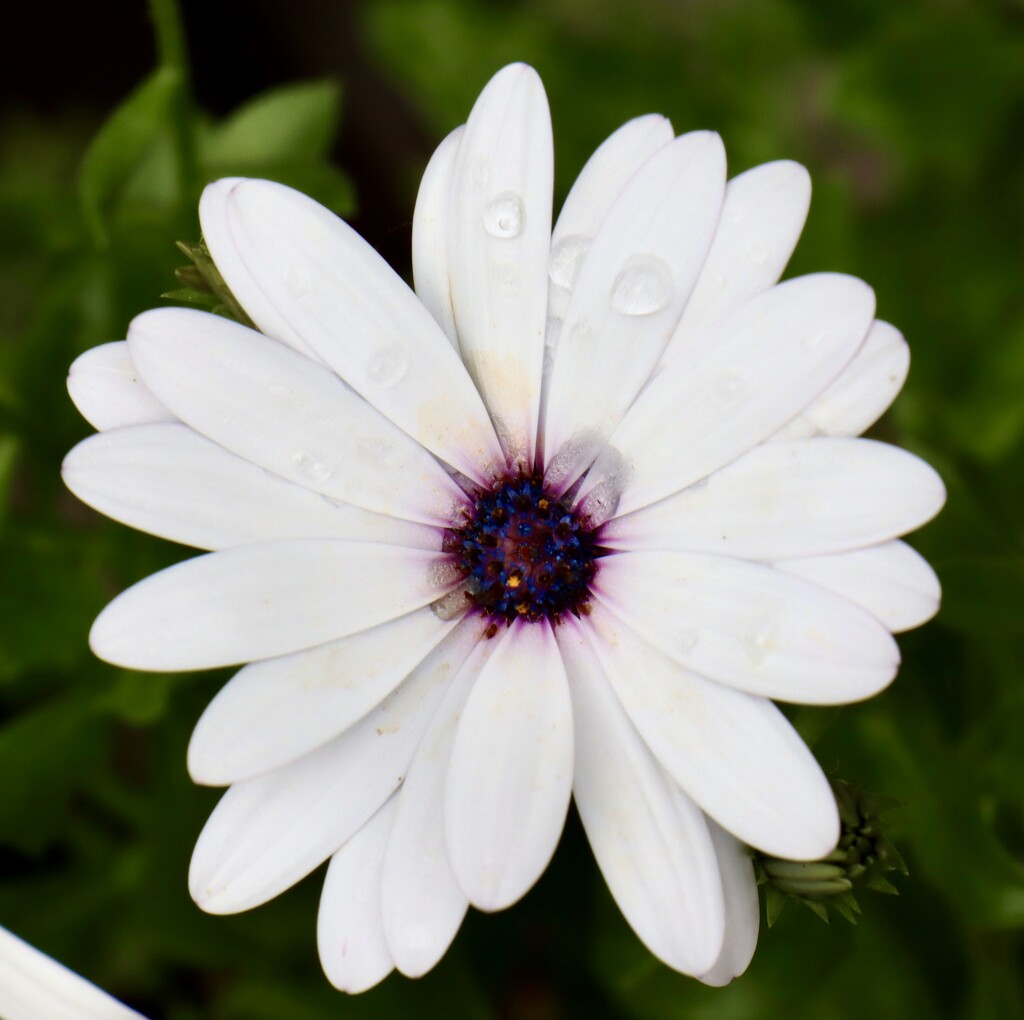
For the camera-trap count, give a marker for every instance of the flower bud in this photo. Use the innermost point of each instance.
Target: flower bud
(859, 860)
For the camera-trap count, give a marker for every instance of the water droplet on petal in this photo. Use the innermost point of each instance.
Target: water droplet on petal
(388, 366)
(443, 573)
(313, 467)
(566, 258)
(375, 450)
(503, 218)
(643, 286)
(600, 504)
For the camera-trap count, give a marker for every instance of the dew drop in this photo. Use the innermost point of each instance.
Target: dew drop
(375, 450)
(312, 467)
(548, 363)
(388, 366)
(443, 573)
(600, 504)
(643, 286)
(503, 218)
(566, 258)
(453, 604)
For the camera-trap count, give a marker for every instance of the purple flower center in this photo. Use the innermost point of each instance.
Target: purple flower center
(526, 556)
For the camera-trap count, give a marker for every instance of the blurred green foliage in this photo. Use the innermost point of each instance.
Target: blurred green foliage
(910, 119)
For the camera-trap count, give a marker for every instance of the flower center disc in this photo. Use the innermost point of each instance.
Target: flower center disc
(526, 556)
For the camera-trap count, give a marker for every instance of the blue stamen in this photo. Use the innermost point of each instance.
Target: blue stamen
(526, 556)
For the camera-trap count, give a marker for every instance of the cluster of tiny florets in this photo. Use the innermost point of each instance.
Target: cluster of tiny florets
(526, 556)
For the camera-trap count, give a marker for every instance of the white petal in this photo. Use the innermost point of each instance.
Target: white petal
(282, 411)
(430, 236)
(107, 391)
(762, 216)
(650, 840)
(628, 296)
(891, 581)
(742, 908)
(170, 481)
(272, 712)
(267, 833)
(499, 238)
(510, 773)
(733, 753)
(219, 235)
(862, 393)
(349, 928)
(598, 185)
(802, 498)
(750, 626)
(422, 902)
(33, 986)
(257, 601)
(733, 385)
(358, 316)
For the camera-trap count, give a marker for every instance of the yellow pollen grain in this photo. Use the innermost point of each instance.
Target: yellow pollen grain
(514, 581)
(522, 608)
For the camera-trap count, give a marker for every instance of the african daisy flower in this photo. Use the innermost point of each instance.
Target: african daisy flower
(559, 524)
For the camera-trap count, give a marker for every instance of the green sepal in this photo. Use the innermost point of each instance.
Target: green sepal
(818, 909)
(882, 885)
(846, 906)
(209, 291)
(190, 277)
(774, 901)
(196, 298)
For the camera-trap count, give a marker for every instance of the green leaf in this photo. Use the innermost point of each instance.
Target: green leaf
(957, 848)
(122, 143)
(52, 751)
(290, 124)
(49, 594)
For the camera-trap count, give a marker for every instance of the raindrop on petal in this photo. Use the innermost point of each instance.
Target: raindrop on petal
(566, 257)
(313, 467)
(388, 366)
(643, 286)
(503, 218)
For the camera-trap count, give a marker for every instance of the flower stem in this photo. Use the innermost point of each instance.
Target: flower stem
(173, 57)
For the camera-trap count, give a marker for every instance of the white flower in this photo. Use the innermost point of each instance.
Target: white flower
(33, 986)
(443, 648)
